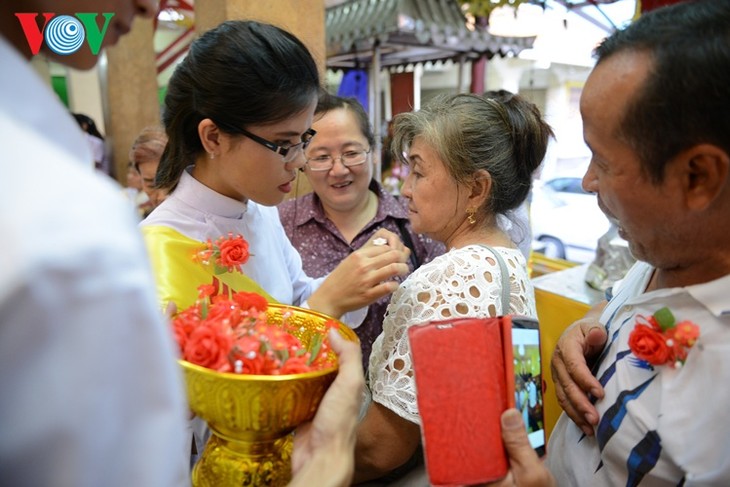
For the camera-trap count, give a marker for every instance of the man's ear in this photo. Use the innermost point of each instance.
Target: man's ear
(210, 137)
(705, 169)
(480, 188)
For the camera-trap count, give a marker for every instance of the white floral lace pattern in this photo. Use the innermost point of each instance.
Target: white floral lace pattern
(463, 282)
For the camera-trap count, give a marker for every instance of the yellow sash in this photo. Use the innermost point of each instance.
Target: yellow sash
(178, 276)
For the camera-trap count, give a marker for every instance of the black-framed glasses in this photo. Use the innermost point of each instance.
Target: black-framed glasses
(287, 153)
(348, 158)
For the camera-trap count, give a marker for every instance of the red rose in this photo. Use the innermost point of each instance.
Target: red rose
(248, 301)
(183, 325)
(208, 346)
(649, 345)
(278, 339)
(254, 364)
(233, 252)
(295, 365)
(224, 312)
(181, 335)
(272, 364)
(245, 345)
(246, 351)
(188, 319)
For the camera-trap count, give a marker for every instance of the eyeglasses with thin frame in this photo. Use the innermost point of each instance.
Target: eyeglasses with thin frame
(348, 159)
(287, 153)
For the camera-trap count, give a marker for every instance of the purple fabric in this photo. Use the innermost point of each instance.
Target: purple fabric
(322, 246)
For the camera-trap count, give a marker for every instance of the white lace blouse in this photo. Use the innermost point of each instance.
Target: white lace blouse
(464, 282)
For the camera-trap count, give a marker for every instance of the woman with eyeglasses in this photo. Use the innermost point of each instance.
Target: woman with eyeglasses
(238, 116)
(347, 206)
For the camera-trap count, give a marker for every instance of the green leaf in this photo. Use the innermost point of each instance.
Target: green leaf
(204, 308)
(220, 270)
(314, 347)
(665, 318)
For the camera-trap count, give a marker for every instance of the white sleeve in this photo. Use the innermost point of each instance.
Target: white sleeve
(393, 386)
(303, 286)
(353, 319)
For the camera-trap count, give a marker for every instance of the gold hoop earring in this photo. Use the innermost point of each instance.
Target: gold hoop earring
(470, 212)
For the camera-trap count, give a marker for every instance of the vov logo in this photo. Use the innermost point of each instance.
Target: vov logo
(64, 34)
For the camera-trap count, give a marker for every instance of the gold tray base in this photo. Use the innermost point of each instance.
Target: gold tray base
(237, 463)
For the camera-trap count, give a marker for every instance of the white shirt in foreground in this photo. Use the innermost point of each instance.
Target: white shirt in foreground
(91, 394)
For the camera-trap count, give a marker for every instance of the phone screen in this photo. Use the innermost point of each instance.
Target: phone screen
(528, 379)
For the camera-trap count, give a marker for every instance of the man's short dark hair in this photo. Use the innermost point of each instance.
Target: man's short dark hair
(685, 100)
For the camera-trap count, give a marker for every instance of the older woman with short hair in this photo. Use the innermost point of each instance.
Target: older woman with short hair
(471, 159)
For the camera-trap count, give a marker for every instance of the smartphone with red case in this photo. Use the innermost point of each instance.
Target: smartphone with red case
(465, 378)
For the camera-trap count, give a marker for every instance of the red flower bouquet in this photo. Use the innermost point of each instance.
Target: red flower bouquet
(660, 340)
(253, 370)
(232, 334)
(228, 254)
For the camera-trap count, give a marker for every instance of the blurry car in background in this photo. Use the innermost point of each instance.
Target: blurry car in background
(566, 221)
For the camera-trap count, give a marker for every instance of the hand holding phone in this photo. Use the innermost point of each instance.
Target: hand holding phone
(467, 372)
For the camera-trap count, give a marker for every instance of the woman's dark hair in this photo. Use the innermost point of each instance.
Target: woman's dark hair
(499, 132)
(238, 74)
(329, 102)
(87, 124)
(685, 99)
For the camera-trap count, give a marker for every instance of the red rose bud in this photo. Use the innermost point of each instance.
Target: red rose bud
(686, 333)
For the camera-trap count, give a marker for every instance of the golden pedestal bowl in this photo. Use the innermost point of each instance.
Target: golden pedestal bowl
(251, 416)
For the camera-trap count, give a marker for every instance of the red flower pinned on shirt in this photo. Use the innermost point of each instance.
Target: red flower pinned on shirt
(228, 254)
(660, 340)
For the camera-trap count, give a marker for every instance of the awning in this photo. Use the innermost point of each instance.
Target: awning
(408, 32)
